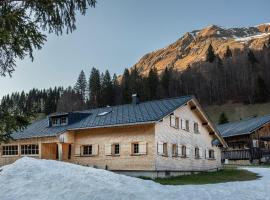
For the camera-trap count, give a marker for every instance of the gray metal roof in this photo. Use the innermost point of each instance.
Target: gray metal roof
(145, 112)
(243, 127)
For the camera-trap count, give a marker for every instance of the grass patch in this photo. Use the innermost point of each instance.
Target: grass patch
(226, 175)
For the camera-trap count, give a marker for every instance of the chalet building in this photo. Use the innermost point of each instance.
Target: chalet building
(248, 140)
(156, 138)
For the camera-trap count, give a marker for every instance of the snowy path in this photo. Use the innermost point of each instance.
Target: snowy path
(31, 179)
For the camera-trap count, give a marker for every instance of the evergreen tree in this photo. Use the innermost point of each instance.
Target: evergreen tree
(94, 88)
(23, 24)
(107, 89)
(228, 53)
(153, 82)
(70, 101)
(210, 55)
(81, 85)
(251, 57)
(261, 91)
(165, 81)
(126, 94)
(116, 90)
(223, 119)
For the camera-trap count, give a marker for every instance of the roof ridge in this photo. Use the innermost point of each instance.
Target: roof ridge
(155, 100)
(245, 119)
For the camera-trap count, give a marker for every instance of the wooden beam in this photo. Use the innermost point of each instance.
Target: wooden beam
(193, 107)
(205, 123)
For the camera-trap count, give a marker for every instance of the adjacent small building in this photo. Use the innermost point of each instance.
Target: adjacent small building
(248, 140)
(156, 138)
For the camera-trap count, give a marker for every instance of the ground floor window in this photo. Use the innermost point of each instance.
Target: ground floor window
(87, 150)
(116, 149)
(10, 150)
(197, 152)
(211, 154)
(174, 150)
(135, 148)
(184, 151)
(29, 149)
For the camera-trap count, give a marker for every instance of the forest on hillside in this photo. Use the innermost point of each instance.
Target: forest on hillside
(240, 76)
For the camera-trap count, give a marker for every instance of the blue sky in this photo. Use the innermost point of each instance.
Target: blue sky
(115, 34)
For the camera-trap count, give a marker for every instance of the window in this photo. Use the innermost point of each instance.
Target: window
(54, 121)
(196, 127)
(63, 120)
(135, 148)
(185, 124)
(211, 154)
(87, 150)
(165, 150)
(174, 150)
(197, 152)
(184, 151)
(10, 150)
(174, 121)
(116, 149)
(29, 149)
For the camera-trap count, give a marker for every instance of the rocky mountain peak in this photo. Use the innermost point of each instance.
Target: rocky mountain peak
(192, 46)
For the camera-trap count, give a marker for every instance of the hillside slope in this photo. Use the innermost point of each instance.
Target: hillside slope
(192, 47)
(237, 111)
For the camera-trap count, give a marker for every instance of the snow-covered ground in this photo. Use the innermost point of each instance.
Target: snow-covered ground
(29, 179)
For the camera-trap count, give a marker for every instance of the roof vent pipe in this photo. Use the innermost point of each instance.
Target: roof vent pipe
(135, 99)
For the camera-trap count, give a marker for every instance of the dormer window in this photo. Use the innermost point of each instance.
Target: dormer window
(55, 122)
(63, 121)
(59, 121)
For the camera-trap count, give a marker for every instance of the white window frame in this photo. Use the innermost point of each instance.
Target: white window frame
(10, 150)
(29, 152)
(196, 130)
(90, 146)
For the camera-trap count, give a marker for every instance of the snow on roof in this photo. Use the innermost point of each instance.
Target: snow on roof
(32, 179)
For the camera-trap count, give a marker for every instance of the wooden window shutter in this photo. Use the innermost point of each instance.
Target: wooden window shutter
(188, 151)
(200, 152)
(108, 149)
(177, 122)
(95, 149)
(179, 151)
(142, 148)
(183, 124)
(206, 153)
(77, 150)
(160, 148)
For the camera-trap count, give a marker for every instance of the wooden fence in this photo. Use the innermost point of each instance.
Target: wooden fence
(243, 154)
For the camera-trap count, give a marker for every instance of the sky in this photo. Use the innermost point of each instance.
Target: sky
(116, 34)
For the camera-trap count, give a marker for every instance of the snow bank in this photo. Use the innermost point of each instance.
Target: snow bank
(29, 179)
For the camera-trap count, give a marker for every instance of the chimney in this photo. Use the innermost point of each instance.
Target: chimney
(135, 99)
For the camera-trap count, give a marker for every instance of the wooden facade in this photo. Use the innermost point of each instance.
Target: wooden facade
(253, 147)
(144, 149)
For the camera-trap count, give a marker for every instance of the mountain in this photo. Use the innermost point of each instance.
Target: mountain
(191, 48)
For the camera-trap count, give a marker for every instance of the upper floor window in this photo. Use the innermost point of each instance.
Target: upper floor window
(59, 121)
(10, 150)
(196, 127)
(63, 120)
(174, 121)
(185, 124)
(54, 121)
(29, 149)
